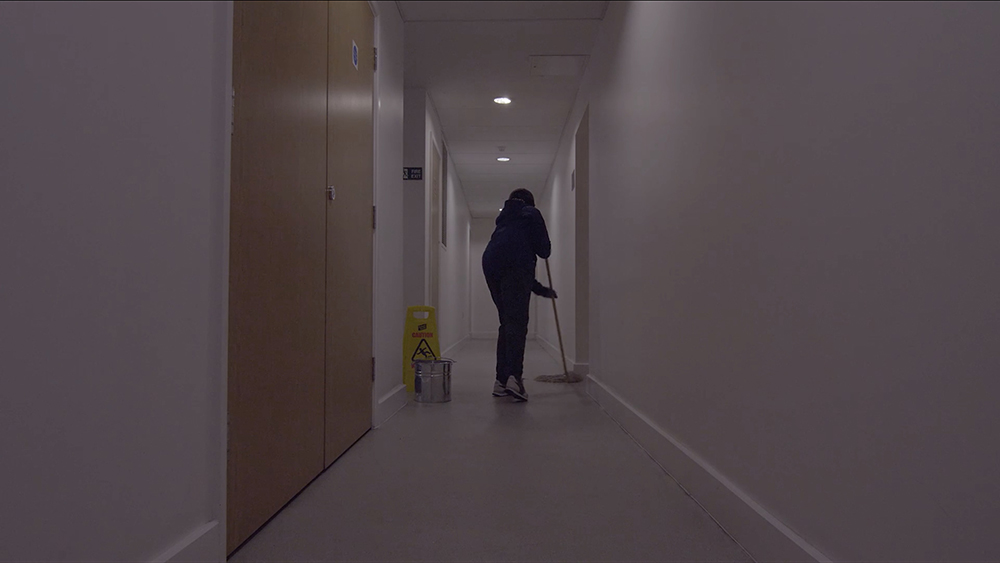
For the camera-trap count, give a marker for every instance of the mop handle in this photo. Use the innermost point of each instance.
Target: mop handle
(548, 272)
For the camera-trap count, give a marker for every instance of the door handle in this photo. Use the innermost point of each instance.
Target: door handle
(331, 193)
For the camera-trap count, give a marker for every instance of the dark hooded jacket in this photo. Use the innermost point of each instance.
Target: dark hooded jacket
(520, 237)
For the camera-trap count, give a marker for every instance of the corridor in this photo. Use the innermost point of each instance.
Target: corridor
(485, 479)
(774, 239)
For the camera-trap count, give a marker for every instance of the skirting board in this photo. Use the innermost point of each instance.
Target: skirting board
(455, 346)
(493, 336)
(388, 405)
(553, 351)
(759, 532)
(392, 402)
(204, 543)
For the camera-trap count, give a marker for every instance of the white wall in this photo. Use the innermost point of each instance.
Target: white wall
(794, 245)
(558, 205)
(453, 312)
(113, 237)
(414, 196)
(456, 309)
(389, 393)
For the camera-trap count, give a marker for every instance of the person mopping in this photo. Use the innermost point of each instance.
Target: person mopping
(509, 263)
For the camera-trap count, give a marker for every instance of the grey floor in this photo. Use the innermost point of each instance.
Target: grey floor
(486, 479)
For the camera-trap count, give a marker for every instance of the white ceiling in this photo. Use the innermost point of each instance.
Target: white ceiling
(467, 53)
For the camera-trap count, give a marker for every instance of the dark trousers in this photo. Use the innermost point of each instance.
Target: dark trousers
(511, 292)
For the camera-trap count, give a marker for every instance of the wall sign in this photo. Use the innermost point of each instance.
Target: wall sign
(413, 173)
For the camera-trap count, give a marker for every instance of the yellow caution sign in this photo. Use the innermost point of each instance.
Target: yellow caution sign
(420, 341)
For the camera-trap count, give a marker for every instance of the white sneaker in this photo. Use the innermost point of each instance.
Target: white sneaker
(515, 388)
(499, 390)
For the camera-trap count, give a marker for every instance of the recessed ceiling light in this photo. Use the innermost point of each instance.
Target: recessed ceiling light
(503, 158)
(502, 100)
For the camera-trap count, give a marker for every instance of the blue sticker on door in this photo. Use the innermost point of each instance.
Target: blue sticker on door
(354, 54)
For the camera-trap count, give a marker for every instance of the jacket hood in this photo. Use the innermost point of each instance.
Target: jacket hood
(511, 209)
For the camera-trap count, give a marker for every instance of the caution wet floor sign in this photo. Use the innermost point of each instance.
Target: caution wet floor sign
(420, 340)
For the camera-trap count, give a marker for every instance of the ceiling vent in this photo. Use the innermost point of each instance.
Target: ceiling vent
(557, 65)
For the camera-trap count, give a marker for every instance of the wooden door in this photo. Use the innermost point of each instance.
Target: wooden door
(349, 216)
(277, 259)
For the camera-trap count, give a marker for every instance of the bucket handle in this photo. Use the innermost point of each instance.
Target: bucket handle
(441, 359)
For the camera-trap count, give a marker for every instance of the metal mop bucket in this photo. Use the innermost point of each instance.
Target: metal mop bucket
(432, 380)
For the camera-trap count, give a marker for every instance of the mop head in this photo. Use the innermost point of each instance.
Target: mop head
(560, 378)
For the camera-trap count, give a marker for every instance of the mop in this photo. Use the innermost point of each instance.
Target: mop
(565, 376)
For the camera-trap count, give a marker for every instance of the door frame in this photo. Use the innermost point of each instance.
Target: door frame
(225, 29)
(434, 220)
(376, 93)
(581, 210)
